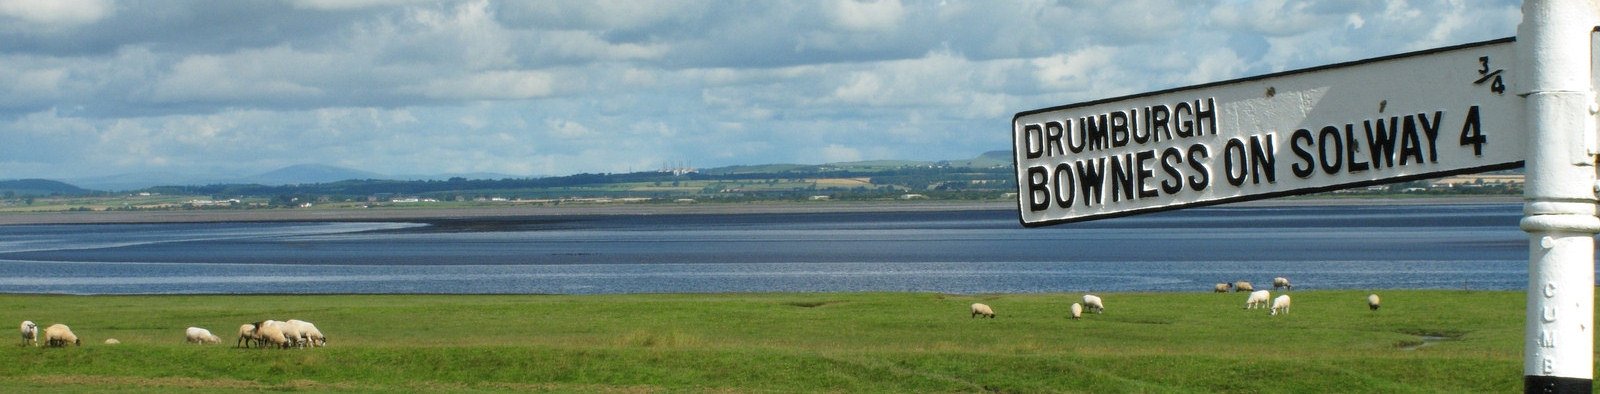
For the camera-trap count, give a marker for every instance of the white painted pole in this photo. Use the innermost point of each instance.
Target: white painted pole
(1553, 45)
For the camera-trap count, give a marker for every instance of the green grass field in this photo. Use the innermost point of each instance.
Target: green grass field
(790, 342)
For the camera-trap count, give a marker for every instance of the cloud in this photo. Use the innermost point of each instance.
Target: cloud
(565, 86)
(57, 13)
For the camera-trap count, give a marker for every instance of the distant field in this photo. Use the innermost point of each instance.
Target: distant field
(836, 342)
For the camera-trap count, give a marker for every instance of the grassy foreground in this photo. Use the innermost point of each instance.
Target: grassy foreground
(791, 342)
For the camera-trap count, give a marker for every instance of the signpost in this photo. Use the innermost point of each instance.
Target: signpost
(1393, 119)
(1471, 108)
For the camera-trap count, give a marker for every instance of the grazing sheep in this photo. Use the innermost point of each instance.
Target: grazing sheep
(1242, 286)
(292, 333)
(1280, 304)
(1222, 287)
(309, 332)
(1077, 310)
(247, 334)
(269, 332)
(30, 333)
(981, 309)
(58, 335)
(113, 341)
(1281, 282)
(1372, 302)
(1093, 303)
(199, 335)
(1258, 298)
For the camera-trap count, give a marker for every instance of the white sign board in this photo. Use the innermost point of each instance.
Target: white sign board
(1392, 119)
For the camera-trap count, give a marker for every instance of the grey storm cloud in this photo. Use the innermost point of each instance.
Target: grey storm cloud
(98, 87)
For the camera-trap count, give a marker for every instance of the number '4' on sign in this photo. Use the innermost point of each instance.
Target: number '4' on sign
(1496, 83)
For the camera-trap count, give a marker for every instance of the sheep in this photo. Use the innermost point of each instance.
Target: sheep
(269, 332)
(1093, 303)
(197, 335)
(1077, 310)
(1281, 282)
(58, 335)
(30, 333)
(981, 309)
(309, 332)
(1242, 286)
(292, 333)
(1372, 302)
(247, 334)
(113, 341)
(1222, 287)
(1280, 304)
(1258, 298)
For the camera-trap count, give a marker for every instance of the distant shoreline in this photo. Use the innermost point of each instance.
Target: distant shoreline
(428, 214)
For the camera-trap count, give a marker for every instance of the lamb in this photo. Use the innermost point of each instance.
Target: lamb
(1280, 304)
(1222, 287)
(247, 334)
(1242, 286)
(981, 309)
(30, 333)
(1258, 298)
(1372, 302)
(313, 337)
(58, 335)
(1093, 303)
(1281, 282)
(1077, 310)
(199, 335)
(269, 332)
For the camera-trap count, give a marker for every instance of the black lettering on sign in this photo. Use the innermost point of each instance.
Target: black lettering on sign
(1263, 160)
(1099, 131)
(1038, 189)
(1202, 174)
(1233, 153)
(1330, 166)
(1091, 180)
(1119, 129)
(1354, 147)
(1144, 172)
(1382, 140)
(1472, 132)
(1170, 159)
(1121, 178)
(1297, 143)
(1053, 133)
(1032, 141)
(1064, 186)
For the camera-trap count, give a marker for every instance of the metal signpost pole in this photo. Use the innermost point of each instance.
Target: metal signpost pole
(1553, 43)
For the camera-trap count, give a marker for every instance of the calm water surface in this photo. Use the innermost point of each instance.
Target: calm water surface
(1343, 247)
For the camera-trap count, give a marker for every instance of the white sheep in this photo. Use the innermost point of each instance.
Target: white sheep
(309, 332)
(1242, 286)
(1372, 302)
(247, 334)
(1257, 298)
(199, 335)
(1093, 303)
(269, 332)
(292, 333)
(1280, 304)
(1221, 287)
(1077, 310)
(58, 335)
(1281, 282)
(981, 309)
(113, 341)
(30, 333)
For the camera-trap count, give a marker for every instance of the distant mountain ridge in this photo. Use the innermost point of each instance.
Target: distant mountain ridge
(41, 187)
(301, 174)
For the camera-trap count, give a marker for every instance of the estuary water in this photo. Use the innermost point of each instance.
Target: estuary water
(965, 251)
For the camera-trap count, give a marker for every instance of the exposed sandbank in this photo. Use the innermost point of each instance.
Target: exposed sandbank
(422, 214)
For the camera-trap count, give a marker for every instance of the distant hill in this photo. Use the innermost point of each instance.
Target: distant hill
(310, 173)
(41, 187)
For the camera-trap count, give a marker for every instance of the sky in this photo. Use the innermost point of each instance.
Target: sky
(94, 88)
